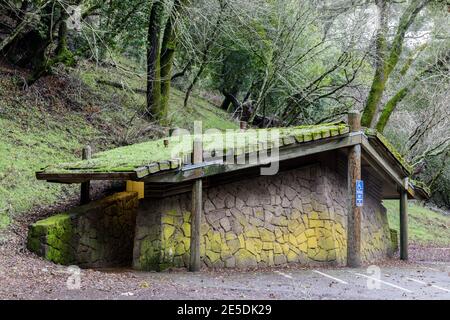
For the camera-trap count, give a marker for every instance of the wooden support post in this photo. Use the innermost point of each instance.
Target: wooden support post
(354, 121)
(197, 209)
(243, 125)
(86, 186)
(354, 212)
(403, 224)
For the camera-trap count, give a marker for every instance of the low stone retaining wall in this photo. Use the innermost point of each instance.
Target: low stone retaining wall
(298, 216)
(99, 234)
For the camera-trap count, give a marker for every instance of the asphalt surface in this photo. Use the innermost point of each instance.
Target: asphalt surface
(416, 281)
(421, 281)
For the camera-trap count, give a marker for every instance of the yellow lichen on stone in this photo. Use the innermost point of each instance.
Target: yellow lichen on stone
(316, 223)
(277, 248)
(302, 238)
(312, 242)
(266, 235)
(168, 231)
(303, 247)
(310, 233)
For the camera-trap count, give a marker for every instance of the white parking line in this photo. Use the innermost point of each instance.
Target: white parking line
(426, 284)
(440, 288)
(328, 276)
(384, 282)
(418, 281)
(284, 274)
(428, 268)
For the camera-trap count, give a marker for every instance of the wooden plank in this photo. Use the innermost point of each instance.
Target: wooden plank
(354, 213)
(403, 225)
(85, 186)
(83, 177)
(142, 172)
(354, 121)
(386, 167)
(197, 208)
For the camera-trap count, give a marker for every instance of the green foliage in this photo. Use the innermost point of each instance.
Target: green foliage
(426, 227)
(236, 72)
(36, 132)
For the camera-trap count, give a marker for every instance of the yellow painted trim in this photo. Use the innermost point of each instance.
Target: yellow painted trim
(133, 186)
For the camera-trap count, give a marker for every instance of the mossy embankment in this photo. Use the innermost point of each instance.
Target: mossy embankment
(52, 120)
(426, 227)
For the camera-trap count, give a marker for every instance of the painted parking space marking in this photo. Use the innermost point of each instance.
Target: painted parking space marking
(440, 288)
(426, 284)
(417, 281)
(384, 282)
(429, 268)
(284, 275)
(330, 277)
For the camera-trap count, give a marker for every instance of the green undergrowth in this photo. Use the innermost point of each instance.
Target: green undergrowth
(28, 144)
(426, 227)
(53, 120)
(133, 82)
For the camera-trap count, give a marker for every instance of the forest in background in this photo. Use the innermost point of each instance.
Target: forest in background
(267, 62)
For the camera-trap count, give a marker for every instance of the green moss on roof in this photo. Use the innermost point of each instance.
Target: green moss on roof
(390, 148)
(153, 156)
(421, 185)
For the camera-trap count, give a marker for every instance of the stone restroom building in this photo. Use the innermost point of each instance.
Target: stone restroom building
(200, 210)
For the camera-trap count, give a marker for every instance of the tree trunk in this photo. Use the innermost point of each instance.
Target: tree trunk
(387, 61)
(154, 111)
(194, 82)
(390, 107)
(168, 52)
(63, 53)
(226, 103)
(379, 80)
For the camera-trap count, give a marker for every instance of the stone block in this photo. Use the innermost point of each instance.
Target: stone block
(99, 234)
(266, 235)
(225, 223)
(290, 193)
(279, 259)
(244, 259)
(312, 243)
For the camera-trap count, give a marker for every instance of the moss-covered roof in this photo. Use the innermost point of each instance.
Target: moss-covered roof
(154, 156)
(422, 187)
(392, 150)
(172, 153)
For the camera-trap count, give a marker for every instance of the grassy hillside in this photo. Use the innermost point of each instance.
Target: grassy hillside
(131, 81)
(52, 121)
(426, 227)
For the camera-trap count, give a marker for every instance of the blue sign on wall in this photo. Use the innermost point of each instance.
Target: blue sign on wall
(359, 193)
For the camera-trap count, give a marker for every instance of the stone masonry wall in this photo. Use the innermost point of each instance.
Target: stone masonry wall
(99, 234)
(297, 216)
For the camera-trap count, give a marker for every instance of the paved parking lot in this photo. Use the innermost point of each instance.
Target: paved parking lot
(422, 281)
(24, 276)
